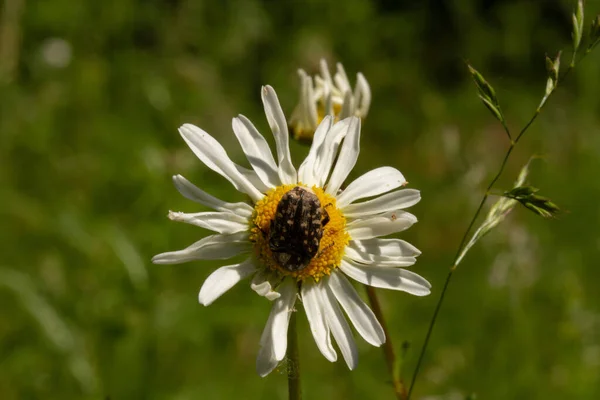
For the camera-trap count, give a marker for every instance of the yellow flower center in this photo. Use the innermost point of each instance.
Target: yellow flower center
(337, 109)
(331, 246)
(305, 133)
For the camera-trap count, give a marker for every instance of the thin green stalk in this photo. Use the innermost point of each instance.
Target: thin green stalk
(459, 255)
(429, 331)
(293, 359)
(388, 346)
(454, 265)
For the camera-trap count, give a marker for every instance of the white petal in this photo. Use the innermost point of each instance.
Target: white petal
(298, 117)
(387, 278)
(221, 222)
(358, 312)
(273, 342)
(328, 150)
(347, 157)
(341, 79)
(261, 284)
(328, 101)
(307, 102)
(380, 225)
(307, 169)
(397, 200)
(347, 105)
(357, 98)
(385, 247)
(224, 279)
(382, 252)
(311, 111)
(325, 71)
(257, 151)
(253, 178)
(215, 247)
(316, 319)
(211, 153)
(278, 124)
(194, 193)
(320, 89)
(375, 259)
(339, 327)
(373, 183)
(281, 311)
(301, 111)
(363, 97)
(265, 360)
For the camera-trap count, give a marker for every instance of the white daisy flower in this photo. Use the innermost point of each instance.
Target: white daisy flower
(328, 96)
(302, 235)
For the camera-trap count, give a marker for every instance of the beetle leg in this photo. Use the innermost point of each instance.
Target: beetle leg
(325, 218)
(265, 233)
(325, 249)
(278, 248)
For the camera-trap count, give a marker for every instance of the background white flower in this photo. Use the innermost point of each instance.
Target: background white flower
(324, 95)
(350, 247)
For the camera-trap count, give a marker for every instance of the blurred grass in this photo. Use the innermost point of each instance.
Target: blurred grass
(91, 95)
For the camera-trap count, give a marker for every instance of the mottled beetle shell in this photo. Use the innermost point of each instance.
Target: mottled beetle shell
(297, 229)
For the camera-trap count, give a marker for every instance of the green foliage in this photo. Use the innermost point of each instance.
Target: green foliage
(528, 197)
(577, 26)
(594, 33)
(91, 94)
(487, 94)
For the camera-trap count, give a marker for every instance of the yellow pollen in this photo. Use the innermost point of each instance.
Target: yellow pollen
(332, 244)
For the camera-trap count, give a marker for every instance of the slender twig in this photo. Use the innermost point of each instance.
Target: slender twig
(293, 359)
(503, 122)
(388, 346)
(459, 254)
(454, 265)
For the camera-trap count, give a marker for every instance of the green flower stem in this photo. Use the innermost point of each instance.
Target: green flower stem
(461, 247)
(388, 346)
(293, 359)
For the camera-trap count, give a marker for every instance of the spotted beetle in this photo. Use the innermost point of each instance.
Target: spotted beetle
(296, 231)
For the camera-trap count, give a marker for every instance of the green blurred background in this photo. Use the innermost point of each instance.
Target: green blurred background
(91, 95)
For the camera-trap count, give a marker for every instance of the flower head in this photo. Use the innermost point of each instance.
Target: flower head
(325, 95)
(302, 235)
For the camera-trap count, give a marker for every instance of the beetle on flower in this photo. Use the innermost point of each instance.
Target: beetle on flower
(335, 236)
